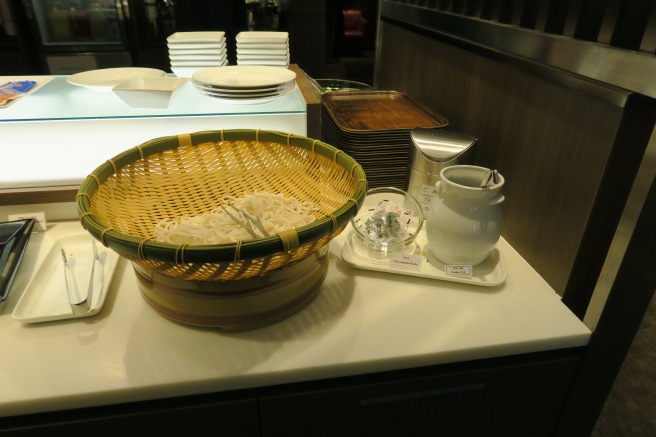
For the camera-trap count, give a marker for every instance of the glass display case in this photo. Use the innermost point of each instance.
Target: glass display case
(64, 23)
(71, 129)
(77, 35)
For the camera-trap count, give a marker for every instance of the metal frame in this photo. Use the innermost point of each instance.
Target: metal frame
(624, 69)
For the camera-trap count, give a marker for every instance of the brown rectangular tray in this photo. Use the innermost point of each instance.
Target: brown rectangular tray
(365, 111)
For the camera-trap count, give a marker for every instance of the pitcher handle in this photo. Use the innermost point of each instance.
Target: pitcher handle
(497, 199)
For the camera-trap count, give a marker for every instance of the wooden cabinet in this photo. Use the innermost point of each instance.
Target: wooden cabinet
(512, 397)
(231, 414)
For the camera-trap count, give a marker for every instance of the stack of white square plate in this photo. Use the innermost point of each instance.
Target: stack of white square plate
(193, 51)
(263, 48)
(245, 84)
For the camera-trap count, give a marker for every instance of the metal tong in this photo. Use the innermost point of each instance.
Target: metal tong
(74, 299)
(250, 222)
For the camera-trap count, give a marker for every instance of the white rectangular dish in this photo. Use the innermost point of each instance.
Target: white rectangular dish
(259, 37)
(216, 50)
(247, 57)
(220, 55)
(205, 46)
(196, 37)
(262, 46)
(151, 92)
(46, 299)
(199, 63)
(262, 52)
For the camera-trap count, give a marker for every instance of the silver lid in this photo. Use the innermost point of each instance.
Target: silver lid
(437, 146)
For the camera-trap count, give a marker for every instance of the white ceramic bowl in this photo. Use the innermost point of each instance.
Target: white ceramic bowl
(150, 92)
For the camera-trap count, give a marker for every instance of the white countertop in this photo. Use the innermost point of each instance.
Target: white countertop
(361, 322)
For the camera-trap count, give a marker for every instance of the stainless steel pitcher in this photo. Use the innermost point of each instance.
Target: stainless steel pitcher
(431, 151)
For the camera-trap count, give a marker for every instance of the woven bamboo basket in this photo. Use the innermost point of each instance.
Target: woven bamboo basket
(122, 200)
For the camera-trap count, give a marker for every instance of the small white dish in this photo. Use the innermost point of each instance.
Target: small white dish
(203, 52)
(246, 56)
(195, 37)
(263, 46)
(199, 63)
(105, 79)
(46, 299)
(259, 37)
(150, 92)
(219, 55)
(197, 46)
(241, 51)
(264, 63)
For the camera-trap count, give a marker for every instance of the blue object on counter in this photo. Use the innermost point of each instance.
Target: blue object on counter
(19, 87)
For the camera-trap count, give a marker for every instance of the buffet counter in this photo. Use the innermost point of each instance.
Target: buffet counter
(362, 322)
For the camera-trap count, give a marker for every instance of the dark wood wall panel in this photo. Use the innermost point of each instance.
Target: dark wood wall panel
(550, 142)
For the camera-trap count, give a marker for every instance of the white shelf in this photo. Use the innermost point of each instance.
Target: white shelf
(59, 134)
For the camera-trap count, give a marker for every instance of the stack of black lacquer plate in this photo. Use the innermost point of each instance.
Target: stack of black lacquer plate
(374, 128)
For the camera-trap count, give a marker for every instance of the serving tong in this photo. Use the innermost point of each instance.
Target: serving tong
(250, 222)
(74, 299)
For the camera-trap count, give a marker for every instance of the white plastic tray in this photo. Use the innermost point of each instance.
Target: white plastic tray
(489, 273)
(45, 298)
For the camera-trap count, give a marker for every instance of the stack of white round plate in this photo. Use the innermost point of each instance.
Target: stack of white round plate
(193, 51)
(245, 84)
(263, 48)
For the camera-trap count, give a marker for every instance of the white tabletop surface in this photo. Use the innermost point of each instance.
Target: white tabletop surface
(360, 322)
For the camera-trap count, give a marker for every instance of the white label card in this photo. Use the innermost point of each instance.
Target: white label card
(406, 261)
(428, 193)
(462, 271)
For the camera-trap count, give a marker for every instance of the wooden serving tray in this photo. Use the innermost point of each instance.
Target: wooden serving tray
(364, 111)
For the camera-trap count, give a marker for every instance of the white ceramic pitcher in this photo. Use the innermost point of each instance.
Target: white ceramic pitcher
(463, 223)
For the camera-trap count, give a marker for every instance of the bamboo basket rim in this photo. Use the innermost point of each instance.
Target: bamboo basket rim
(149, 249)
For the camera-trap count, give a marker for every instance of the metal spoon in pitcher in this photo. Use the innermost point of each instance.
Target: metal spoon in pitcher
(490, 176)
